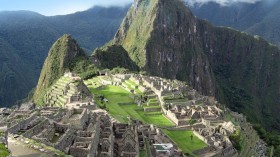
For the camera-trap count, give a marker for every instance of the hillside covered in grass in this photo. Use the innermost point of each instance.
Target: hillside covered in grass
(64, 56)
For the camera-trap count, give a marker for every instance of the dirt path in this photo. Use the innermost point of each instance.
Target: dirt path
(19, 149)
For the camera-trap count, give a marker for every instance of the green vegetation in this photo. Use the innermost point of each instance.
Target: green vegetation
(271, 138)
(2, 134)
(113, 56)
(122, 107)
(60, 58)
(15, 75)
(4, 152)
(186, 140)
(192, 121)
(136, 37)
(236, 140)
(119, 70)
(146, 151)
(84, 67)
(24, 44)
(143, 153)
(131, 82)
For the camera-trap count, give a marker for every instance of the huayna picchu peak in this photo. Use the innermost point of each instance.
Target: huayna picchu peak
(60, 58)
(168, 84)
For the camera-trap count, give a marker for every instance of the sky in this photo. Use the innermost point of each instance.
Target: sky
(62, 7)
(57, 7)
(224, 2)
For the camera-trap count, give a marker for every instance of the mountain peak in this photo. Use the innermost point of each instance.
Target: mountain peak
(61, 55)
(146, 17)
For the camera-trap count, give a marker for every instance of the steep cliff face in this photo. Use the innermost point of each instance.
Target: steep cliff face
(136, 30)
(60, 57)
(160, 36)
(165, 39)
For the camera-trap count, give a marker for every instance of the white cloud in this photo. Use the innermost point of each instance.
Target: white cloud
(221, 2)
(108, 3)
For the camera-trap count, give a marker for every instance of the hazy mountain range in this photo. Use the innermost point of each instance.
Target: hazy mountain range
(25, 37)
(261, 18)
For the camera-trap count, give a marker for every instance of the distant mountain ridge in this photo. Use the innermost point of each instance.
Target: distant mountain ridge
(30, 35)
(261, 18)
(25, 38)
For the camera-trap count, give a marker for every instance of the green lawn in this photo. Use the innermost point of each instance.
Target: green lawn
(183, 139)
(121, 106)
(138, 91)
(132, 83)
(3, 151)
(143, 153)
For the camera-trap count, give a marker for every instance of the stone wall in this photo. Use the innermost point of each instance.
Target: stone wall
(200, 136)
(47, 133)
(85, 146)
(22, 112)
(105, 82)
(68, 114)
(142, 89)
(65, 141)
(80, 121)
(170, 115)
(58, 116)
(61, 128)
(204, 150)
(83, 89)
(36, 129)
(229, 151)
(23, 124)
(135, 80)
(147, 109)
(80, 149)
(123, 76)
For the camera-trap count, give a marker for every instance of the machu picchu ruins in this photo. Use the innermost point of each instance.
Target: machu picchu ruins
(77, 120)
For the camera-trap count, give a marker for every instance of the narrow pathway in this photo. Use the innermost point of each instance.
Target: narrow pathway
(18, 149)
